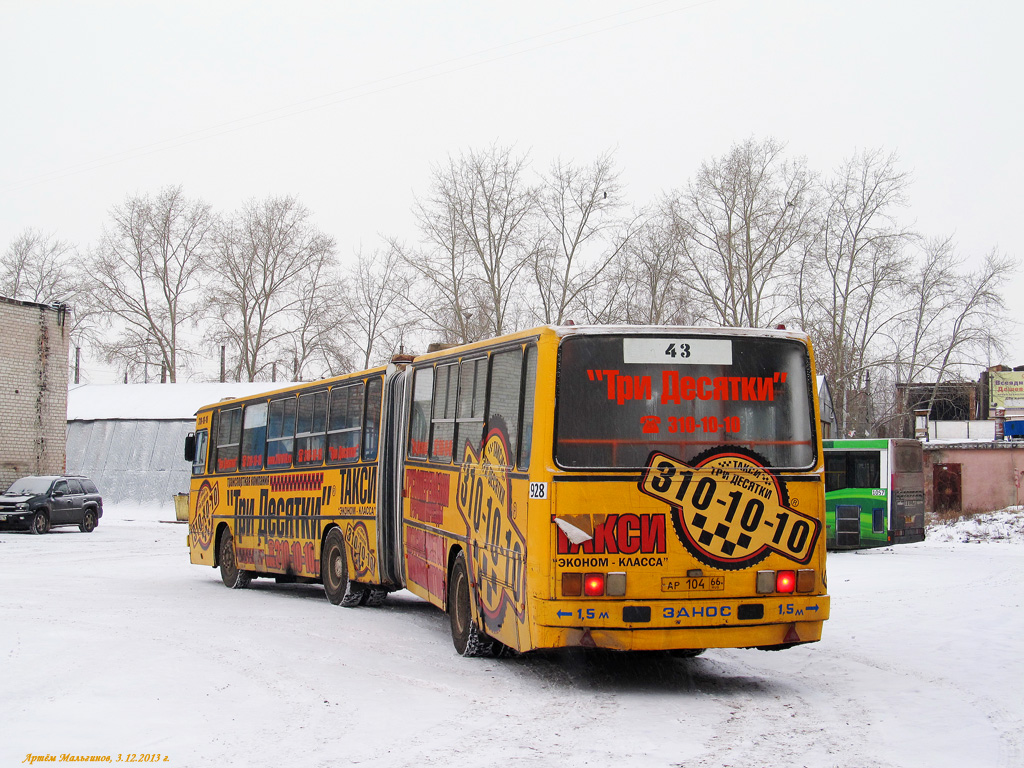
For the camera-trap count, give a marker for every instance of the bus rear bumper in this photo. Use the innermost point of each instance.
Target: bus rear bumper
(763, 636)
(771, 623)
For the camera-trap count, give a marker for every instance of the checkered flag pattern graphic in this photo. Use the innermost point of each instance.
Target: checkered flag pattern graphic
(721, 531)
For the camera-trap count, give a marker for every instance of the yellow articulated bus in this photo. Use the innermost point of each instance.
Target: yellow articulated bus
(630, 488)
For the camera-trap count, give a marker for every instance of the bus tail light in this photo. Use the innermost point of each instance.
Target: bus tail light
(593, 584)
(785, 581)
(572, 584)
(805, 580)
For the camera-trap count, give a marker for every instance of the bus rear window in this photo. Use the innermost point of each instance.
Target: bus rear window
(620, 398)
(909, 457)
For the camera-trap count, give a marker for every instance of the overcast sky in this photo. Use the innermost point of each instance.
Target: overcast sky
(347, 105)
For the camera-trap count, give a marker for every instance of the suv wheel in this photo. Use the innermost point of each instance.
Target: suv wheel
(40, 523)
(88, 524)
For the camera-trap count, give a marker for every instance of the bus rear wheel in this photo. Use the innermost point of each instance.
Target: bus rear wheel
(334, 572)
(467, 638)
(232, 576)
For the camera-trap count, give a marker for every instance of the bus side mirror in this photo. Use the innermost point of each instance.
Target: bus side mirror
(190, 447)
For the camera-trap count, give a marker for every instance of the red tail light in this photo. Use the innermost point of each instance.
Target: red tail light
(785, 581)
(593, 584)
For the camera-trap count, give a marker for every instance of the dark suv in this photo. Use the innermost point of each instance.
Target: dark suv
(45, 502)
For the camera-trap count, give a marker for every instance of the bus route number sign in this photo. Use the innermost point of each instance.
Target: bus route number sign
(673, 351)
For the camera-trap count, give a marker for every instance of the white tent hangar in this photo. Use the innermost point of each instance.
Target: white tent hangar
(129, 438)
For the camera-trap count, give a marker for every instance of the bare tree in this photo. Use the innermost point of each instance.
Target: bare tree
(477, 237)
(266, 255)
(644, 284)
(579, 205)
(850, 277)
(951, 313)
(313, 320)
(373, 314)
(443, 294)
(146, 273)
(741, 225)
(44, 269)
(38, 267)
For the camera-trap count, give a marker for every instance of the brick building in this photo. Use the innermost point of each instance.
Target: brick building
(33, 388)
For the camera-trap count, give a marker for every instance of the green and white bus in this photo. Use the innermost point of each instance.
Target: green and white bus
(874, 493)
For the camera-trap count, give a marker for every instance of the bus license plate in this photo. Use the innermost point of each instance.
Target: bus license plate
(688, 584)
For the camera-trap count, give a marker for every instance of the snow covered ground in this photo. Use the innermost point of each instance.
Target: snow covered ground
(113, 644)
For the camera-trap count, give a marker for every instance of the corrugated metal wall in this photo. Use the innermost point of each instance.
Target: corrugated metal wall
(131, 461)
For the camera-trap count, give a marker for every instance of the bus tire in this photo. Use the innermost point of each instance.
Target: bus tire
(232, 576)
(334, 572)
(466, 637)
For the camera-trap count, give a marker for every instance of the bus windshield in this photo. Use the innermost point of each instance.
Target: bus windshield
(620, 398)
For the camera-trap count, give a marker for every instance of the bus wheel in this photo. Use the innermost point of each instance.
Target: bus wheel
(334, 572)
(468, 640)
(230, 573)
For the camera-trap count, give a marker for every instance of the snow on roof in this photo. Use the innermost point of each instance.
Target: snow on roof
(162, 402)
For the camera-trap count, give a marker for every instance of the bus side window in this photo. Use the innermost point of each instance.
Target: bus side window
(505, 397)
(835, 471)
(864, 470)
(419, 428)
(443, 415)
(472, 396)
(310, 428)
(343, 423)
(199, 460)
(229, 433)
(254, 435)
(529, 385)
(280, 433)
(371, 420)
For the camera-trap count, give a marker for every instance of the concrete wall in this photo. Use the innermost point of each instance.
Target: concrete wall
(962, 430)
(134, 461)
(988, 472)
(33, 389)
